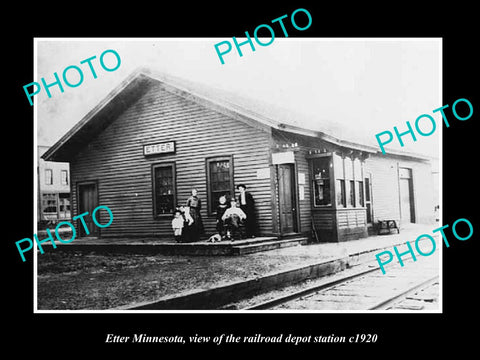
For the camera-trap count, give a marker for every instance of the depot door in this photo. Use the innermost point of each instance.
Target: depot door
(87, 202)
(407, 204)
(287, 198)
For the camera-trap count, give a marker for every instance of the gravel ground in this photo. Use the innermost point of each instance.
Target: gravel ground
(71, 281)
(75, 280)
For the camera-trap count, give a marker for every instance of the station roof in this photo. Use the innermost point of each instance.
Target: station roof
(251, 111)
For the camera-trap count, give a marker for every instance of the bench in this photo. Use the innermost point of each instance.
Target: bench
(386, 227)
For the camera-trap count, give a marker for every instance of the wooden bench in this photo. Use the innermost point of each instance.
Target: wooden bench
(386, 227)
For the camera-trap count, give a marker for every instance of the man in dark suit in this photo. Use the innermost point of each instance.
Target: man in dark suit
(247, 204)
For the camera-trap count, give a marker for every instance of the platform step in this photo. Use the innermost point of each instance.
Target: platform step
(267, 245)
(255, 240)
(201, 248)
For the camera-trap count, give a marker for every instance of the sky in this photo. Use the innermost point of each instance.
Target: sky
(365, 86)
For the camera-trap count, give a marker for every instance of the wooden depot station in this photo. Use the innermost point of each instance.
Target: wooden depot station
(143, 148)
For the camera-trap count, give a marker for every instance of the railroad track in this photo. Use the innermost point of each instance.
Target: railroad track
(365, 288)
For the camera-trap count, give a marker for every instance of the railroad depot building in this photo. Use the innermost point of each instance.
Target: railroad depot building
(143, 148)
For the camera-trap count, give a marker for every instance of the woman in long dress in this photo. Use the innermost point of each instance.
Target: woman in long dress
(187, 229)
(195, 205)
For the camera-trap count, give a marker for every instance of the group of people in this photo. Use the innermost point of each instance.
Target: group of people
(233, 219)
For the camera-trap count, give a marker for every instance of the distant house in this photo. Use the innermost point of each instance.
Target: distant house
(53, 189)
(152, 139)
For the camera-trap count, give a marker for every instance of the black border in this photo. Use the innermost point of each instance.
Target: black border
(405, 334)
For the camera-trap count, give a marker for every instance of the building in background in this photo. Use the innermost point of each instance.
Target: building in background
(53, 190)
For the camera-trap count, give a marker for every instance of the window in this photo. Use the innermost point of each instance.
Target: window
(48, 177)
(354, 181)
(64, 205)
(49, 203)
(349, 181)
(64, 177)
(219, 180)
(360, 193)
(163, 189)
(351, 199)
(339, 173)
(358, 176)
(321, 181)
(341, 200)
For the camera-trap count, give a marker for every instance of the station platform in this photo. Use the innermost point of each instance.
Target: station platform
(149, 245)
(303, 262)
(154, 281)
(170, 247)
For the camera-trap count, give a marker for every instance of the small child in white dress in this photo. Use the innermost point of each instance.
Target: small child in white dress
(177, 225)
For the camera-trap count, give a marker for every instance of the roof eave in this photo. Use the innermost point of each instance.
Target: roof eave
(58, 151)
(61, 150)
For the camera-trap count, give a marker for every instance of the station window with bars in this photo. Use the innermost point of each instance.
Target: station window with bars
(164, 189)
(219, 180)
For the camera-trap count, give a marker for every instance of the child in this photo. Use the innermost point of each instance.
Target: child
(233, 217)
(177, 225)
(221, 208)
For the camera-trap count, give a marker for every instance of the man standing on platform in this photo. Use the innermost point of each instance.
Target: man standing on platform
(247, 204)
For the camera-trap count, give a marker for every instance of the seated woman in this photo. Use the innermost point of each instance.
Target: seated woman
(221, 208)
(233, 218)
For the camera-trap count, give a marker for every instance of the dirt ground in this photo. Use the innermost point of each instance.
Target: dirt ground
(72, 280)
(92, 281)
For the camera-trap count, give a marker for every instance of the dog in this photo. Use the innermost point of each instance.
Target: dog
(215, 238)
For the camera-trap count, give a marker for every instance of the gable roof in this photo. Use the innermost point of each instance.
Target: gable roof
(253, 112)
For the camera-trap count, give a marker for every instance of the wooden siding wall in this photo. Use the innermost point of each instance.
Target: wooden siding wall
(115, 158)
(351, 223)
(340, 224)
(325, 224)
(385, 188)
